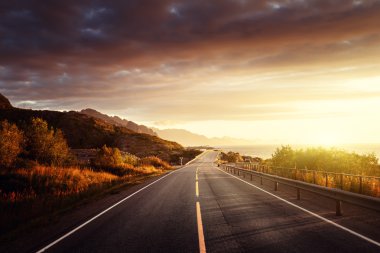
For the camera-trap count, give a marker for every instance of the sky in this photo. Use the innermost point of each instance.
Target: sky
(292, 71)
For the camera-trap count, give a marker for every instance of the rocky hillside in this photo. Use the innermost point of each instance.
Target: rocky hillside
(4, 103)
(115, 120)
(83, 131)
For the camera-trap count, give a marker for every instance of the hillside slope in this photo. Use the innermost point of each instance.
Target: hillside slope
(115, 120)
(4, 103)
(83, 131)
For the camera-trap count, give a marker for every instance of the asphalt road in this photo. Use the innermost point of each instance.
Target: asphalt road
(232, 216)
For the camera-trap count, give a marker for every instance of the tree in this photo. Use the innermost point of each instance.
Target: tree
(11, 141)
(284, 157)
(46, 145)
(59, 151)
(108, 157)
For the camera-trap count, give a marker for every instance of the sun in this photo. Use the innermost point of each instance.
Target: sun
(327, 139)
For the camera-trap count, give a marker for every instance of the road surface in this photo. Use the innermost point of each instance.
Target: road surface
(201, 208)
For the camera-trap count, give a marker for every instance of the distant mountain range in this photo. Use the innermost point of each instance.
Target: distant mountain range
(184, 137)
(188, 138)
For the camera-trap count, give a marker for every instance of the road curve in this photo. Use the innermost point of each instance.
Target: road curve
(201, 208)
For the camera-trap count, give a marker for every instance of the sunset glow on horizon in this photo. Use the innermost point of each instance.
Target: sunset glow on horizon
(297, 72)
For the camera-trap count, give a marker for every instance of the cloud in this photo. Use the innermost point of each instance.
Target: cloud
(182, 59)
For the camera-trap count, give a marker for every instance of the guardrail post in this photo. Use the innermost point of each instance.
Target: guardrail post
(341, 181)
(314, 178)
(261, 180)
(275, 186)
(238, 172)
(243, 174)
(338, 211)
(298, 194)
(360, 184)
(327, 179)
(251, 177)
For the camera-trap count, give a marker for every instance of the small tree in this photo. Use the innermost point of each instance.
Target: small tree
(59, 148)
(46, 145)
(11, 140)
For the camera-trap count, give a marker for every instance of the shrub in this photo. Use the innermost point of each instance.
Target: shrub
(146, 169)
(130, 159)
(108, 157)
(155, 162)
(333, 160)
(231, 157)
(46, 145)
(11, 140)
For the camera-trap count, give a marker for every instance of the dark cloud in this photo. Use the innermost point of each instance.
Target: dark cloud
(64, 49)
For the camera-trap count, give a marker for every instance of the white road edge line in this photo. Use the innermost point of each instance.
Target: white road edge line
(103, 212)
(310, 212)
(195, 158)
(201, 237)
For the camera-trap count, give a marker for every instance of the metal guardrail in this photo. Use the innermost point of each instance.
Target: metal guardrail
(367, 185)
(336, 194)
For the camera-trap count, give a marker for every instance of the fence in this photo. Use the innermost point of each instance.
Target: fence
(366, 185)
(337, 194)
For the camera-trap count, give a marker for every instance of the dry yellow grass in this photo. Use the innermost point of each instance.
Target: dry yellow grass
(42, 180)
(27, 194)
(147, 169)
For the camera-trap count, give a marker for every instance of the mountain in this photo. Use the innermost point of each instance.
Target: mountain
(84, 132)
(181, 136)
(115, 120)
(188, 138)
(4, 103)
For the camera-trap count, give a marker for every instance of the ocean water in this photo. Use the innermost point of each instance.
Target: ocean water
(266, 151)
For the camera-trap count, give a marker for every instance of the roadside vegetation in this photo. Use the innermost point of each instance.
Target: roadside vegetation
(39, 175)
(322, 159)
(322, 166)
(230, 157)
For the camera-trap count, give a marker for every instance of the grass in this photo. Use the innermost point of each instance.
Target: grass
(33, 194)
(53, 181)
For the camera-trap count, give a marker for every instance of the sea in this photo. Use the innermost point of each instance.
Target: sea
(266, 151)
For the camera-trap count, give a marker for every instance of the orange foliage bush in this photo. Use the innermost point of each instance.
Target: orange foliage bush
(11, 140)
(155, 162)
